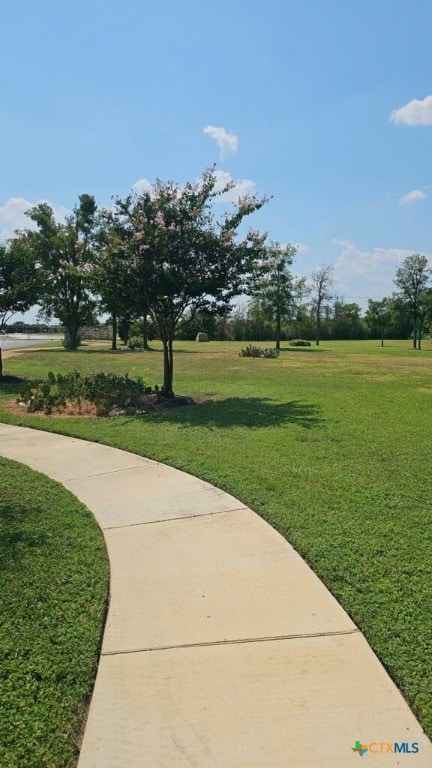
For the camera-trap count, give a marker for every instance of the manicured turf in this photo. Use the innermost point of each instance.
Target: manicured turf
(54, 588)
(330, 444)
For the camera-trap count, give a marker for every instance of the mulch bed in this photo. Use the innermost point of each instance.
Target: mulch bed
(149, 404)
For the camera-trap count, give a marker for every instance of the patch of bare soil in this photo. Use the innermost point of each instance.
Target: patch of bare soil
(8, 353)
(148, 404)
(85, 410)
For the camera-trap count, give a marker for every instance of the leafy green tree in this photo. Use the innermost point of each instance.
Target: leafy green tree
(425, 313)
(247, 323)
(185, 262)
(64, 252)
(20, 283)
(110, 272)
(238, 324)
(303, 324)
(347, 323)
(400, 325)
(378, 316)
(411, 280)
(322, 281)
(125, 322)
(275, 287)
(202, 321)
(259, 325)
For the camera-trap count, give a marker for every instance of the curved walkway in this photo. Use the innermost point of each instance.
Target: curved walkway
(221, 649)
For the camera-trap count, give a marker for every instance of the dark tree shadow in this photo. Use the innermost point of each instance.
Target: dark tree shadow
(10, 385)
(120, 352)
(309, 350)
(131, 352)
(15, 539)
(253, 412)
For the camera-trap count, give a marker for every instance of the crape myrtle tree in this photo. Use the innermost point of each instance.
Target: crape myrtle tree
(411, 280)
(322, 282)
(185, 261)
(110, 270)
(63, 252)
(20, 283)
(277, 291)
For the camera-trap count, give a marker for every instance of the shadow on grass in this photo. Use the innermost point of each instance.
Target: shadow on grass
(15, 538)
(10, 385)
(311, 349)
(132, 352)
(84, 350)
(253, 412)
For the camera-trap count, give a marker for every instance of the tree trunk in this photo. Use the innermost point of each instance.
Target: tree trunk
(145, 333)
(71, 336)
(167, 388)
(318, 329)
(278, 328)
(114, 331)
(1, 364)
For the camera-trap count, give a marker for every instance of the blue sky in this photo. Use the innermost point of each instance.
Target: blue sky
(324, 104)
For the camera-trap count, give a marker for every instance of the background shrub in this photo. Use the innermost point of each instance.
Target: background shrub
(135, 342)
(252, 351)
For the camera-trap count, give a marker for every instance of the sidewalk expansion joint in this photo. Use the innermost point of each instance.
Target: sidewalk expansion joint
(172, 519)
(111, 471)
(239, 641)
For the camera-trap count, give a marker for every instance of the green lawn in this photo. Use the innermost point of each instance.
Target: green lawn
(54, 577)
(331, 445)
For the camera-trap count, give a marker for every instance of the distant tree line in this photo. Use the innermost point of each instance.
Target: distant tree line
(340, 320)
(311, 310)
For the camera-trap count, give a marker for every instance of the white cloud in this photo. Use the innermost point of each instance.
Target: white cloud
(240, 188)
(360, 275)
(140, 186)
(226, 141)
(416, 112)
(12, 215)
(412, 197)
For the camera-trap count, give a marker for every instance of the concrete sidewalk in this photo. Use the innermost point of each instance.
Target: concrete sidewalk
(222, 649)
